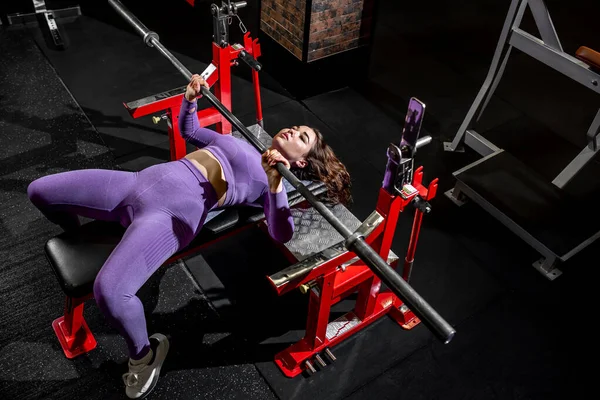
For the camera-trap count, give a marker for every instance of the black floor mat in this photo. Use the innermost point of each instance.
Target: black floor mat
(517, 348)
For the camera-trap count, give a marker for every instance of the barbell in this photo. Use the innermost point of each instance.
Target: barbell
(353, 241)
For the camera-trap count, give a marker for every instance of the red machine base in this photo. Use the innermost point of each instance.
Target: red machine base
(73, 345)
(291, 360)
(329, 283)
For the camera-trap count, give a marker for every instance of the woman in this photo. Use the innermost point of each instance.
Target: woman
(164, 206)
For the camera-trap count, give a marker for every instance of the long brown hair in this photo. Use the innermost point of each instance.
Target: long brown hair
(323, 165)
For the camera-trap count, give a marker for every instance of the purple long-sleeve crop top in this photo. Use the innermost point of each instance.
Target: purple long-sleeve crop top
(247, 182)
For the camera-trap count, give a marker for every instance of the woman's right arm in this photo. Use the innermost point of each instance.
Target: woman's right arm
(189, 126)
(280, 221)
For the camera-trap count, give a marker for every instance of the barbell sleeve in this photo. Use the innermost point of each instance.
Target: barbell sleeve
(423, 141)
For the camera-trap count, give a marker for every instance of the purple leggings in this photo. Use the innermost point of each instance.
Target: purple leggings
(163, 207)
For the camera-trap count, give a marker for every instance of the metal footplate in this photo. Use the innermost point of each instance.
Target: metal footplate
(154, 100)
(303, 268)
(162, 101)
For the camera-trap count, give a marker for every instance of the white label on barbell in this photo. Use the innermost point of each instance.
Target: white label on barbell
(208, 71)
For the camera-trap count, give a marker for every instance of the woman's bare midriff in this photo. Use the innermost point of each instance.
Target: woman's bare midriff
(211, 168)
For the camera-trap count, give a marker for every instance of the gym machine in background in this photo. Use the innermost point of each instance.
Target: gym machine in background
(536, 210)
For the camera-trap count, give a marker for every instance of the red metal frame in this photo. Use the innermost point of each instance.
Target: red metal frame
(331, 284)
(217, 74)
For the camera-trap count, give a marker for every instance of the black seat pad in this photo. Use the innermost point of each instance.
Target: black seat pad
(77, 256)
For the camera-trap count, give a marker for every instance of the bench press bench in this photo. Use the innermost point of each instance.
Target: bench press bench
(77, 256)
(324, 268)
(336, 254)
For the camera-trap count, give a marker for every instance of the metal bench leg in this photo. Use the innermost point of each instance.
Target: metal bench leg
(584, 157)
(71, 329)
(548, 267)
(456, 195)
(493, 76)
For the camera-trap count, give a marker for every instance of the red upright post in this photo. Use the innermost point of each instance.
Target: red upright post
(253, 48)
(222, 60)
(319, 305)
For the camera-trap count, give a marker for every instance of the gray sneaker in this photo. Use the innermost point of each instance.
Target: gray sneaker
(142, 378)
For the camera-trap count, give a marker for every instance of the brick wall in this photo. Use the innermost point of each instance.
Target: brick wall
(334, 26)
(283, 20)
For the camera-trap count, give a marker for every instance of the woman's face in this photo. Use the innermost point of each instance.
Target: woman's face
(294, 143)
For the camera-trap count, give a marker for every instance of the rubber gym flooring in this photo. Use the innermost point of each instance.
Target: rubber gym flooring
(519, 335)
